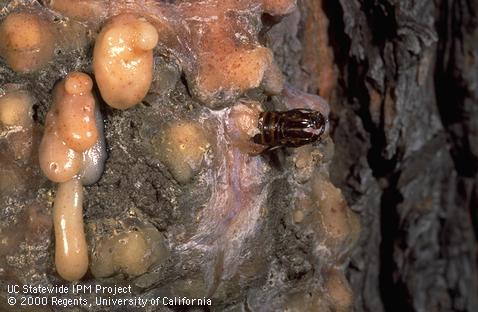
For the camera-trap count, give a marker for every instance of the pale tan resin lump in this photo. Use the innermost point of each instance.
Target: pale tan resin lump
(338, 291)
(339, 225)
(16, 121)
(132, 252)
(182, 146)
(71, 251)
(26, 41)
(123, 60)
(16, 109)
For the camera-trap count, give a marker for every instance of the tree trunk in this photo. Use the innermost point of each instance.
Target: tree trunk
(402, 79)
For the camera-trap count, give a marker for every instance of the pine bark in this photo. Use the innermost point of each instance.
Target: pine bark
(404, 100)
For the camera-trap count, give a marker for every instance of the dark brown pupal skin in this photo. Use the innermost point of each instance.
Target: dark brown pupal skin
(292, 128)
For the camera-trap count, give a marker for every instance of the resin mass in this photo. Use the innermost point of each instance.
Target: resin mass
(126, 131)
